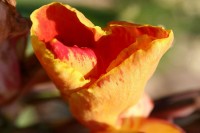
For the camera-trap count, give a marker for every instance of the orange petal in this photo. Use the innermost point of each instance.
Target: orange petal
(123, 38)
(81, 59)
(62, 73)
(62, 22)
(54, 39)
(142, 109)
(118, 61)
(122, 86)
(145, 125)
(153, 125)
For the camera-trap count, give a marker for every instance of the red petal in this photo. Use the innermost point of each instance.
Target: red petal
(57, 21)
(81, 59)
(121, 35)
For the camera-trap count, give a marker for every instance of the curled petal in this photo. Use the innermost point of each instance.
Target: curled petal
(81, 59)
(149, 125)
(64, 76)
(122, 86)
(153, 125)
(101, 72)
(144, 125)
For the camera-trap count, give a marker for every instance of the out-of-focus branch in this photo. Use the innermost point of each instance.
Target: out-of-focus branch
(18, 73)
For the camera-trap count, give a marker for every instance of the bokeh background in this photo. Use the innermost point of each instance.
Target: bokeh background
(179, 69)
(42, 110)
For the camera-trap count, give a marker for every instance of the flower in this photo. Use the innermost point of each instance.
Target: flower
(101, 72)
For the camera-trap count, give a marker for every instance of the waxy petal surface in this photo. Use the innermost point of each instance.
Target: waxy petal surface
(101, 72)
(143, 108)
(56, 39)
(144, 125)
(121, 87)
(153, 125)
(149, 125)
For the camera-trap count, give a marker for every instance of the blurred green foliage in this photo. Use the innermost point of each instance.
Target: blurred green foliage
(171, 15)
(98, 17)
(139, 11)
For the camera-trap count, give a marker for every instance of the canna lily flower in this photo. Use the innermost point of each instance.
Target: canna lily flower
(100, 72)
